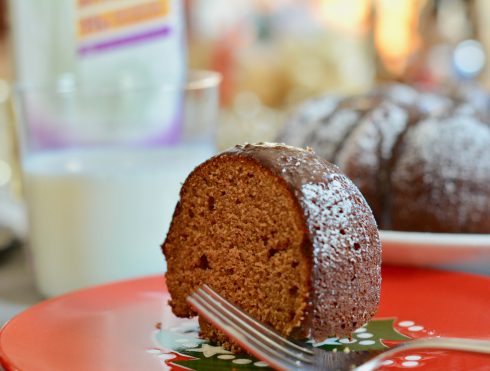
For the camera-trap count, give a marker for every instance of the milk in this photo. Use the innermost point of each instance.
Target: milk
(101, 215)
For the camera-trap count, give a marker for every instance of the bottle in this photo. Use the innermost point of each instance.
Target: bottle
(94, 46)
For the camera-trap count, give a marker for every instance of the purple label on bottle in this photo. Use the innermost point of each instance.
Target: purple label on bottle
(121, 41)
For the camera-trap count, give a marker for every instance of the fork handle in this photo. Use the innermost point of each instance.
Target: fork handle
(465, 345)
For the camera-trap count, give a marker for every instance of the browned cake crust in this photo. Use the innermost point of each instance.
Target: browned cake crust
(281, 233)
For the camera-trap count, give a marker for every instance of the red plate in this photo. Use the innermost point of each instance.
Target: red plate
(116, 327)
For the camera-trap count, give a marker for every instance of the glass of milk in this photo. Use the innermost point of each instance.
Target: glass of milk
(102, 169)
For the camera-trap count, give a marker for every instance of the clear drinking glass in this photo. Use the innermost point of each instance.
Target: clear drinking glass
(102, 168)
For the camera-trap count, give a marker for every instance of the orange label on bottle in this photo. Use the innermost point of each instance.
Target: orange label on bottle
(100, 16)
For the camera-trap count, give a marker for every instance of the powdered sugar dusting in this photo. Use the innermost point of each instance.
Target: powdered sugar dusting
(329, 207)
(316, 109)
(345, 240)
(448, 148)
(325, 140)
(398, 93)
(367, 139)
(377, 133)
(366, 152)
(434, 104)
(306, 118)
(392, 122)
(451, 159)
(334, 208)
(407, 96)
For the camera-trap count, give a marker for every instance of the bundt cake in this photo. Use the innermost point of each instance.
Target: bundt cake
(421, 160)
(281, 233)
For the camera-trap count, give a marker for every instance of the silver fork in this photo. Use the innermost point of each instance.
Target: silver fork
(283, 354)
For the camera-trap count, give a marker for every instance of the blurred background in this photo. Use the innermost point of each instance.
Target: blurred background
(272, 55)
(275, 53)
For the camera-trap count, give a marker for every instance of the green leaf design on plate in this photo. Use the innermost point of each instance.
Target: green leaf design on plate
(215, 364)
(367, 337)
(208, 356)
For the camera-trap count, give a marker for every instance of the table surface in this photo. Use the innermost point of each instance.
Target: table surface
(17, 290)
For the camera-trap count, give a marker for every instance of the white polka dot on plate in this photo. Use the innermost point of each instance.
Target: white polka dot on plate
(410, 364)
(226, 356)
(365, 335)
(260, 364)
(347, 341)
(362, 329)
(415, 357)
(366, 342)
(165, 356)
(406, 323)
(416, 328)
(387, 362)
(242, 361)
(153, 351)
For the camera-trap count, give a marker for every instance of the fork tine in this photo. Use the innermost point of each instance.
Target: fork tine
(265, 348)
(256, 324)
(249, 329)
(249, 343)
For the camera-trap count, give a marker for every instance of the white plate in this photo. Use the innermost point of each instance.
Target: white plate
(467, 252)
